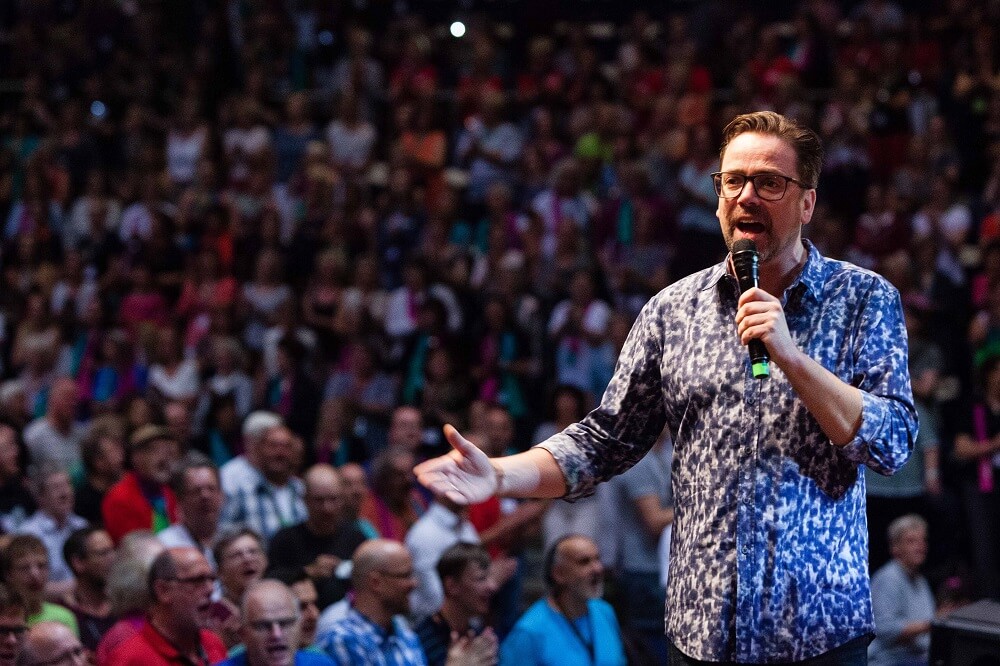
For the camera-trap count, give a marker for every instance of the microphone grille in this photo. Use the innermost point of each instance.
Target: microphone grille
(744, 245)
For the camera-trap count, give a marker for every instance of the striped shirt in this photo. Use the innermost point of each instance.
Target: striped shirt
(262, 507)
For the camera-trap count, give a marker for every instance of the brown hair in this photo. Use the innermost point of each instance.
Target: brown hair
(806, 143)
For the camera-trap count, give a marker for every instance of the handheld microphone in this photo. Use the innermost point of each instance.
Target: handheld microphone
(746, 262)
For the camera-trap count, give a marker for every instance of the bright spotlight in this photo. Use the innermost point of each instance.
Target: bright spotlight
(457, 29)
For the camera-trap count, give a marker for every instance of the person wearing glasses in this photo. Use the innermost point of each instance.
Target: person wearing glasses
(13, 626)
(769, 558)
(272, 629)
(180, 586)
(53, 644)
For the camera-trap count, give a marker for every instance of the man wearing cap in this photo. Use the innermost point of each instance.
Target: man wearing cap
(142, 500)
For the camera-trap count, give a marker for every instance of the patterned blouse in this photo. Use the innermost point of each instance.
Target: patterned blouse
(769, 560)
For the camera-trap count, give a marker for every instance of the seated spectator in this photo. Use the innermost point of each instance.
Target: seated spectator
(90, 553)
(901, 598)
(241, 468)
(305, 591)
(16, 502)
(24, 564)
(382, 579)
(271, 629)
(572, 624)
(180, 586)
(355, 484)
(52, 643)
(128, 593)
(394, 503)
(172, 376)
(142, 500)
(12, 620)
(103, 453)
(56, 436)
(319, 544)
(464, 571)
(290, 391)
(195, 482)
(54, 522)
(241, 560)
(443, 525)
(269, 496)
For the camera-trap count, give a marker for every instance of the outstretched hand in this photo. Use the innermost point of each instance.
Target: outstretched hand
(464, 475)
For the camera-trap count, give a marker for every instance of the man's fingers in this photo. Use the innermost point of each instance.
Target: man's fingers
(461, 444)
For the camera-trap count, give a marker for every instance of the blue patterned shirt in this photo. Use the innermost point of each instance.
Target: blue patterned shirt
(769, 560)
(355, 639)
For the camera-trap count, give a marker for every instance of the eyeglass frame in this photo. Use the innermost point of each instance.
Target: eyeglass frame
(717, 183)
(285, 624)
(195, 580)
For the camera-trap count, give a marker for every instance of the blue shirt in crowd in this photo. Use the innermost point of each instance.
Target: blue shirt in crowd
(357, 640)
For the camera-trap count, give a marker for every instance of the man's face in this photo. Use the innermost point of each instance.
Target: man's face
(276, 454)
(405, 429)
(578, 568)
(305, 591)
(474, 589)
(271, 631)
(97, 560)
(243, 562)
(56, 498)
(29, 573)
(62, 402)
(12, 631)
(202, 499)
(324, 502)
(154, 460)
(396, 581)
(355, 487)
(190, 594)
(775, 226)
(911, 548)
(499, 430)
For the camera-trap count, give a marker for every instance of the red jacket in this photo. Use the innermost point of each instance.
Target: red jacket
(126, 509)
(150, 648)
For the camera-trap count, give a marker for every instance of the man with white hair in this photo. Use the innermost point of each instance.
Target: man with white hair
(240, 468)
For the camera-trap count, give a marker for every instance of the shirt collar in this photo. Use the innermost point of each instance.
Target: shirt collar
(808, 283)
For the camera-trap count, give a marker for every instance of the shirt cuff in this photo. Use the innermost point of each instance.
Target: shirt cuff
(574, 464)
(873, 415)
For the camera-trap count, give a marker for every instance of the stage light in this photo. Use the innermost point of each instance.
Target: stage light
(457, 29)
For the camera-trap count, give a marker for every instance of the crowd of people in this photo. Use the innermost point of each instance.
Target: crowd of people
(256, 254)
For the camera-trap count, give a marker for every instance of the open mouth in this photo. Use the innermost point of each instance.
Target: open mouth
(750, 227)
(278, 654)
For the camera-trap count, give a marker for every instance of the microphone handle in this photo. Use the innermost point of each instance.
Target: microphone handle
(760, 359)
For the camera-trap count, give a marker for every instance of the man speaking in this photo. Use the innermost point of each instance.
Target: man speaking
(769, 553)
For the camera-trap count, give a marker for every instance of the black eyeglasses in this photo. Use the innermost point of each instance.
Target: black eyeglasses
(768, 186)
(16, 630)
(197, 580)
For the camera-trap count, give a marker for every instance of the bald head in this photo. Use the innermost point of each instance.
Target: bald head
(52, 643)
(373, 555)
(271, 624)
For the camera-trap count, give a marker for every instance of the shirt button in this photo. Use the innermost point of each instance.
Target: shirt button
(746, 549)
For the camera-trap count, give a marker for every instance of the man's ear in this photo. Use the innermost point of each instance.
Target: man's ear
(808, 206)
